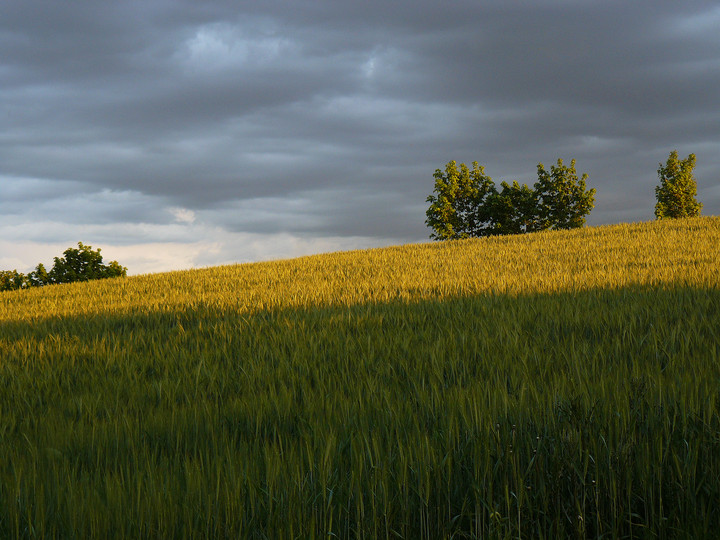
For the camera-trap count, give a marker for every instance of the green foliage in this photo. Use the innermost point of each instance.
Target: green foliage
(562, 199)
(39, 276)
(514, 209)
(677, 190)
(12, 280)
(559, 385)
(459, 207)
(81, 264)
(466, 203)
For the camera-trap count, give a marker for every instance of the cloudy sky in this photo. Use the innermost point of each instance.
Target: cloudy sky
(178, 133)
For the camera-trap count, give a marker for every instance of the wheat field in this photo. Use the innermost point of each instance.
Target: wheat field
(556, 384)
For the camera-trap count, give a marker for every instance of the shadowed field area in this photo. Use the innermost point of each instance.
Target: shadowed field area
(371, 407)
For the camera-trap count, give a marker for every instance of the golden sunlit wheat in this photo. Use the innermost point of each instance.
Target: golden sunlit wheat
(558, 384)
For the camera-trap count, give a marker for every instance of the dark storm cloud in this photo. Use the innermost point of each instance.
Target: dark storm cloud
(329, 117)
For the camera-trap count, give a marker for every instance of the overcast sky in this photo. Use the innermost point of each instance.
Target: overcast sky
(184, 133)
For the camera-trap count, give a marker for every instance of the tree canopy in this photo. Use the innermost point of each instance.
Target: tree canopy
(460, 208)
(83, 264)
(77, 264)
(563, 200)
(466, 203)
(678, 188)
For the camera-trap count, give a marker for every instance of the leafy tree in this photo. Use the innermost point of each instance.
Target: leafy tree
(466, 203)
(514, 209)
(458, 207)
(12, 280)
(81, 264)
(678, 189)
(562, 199)
(38, 277)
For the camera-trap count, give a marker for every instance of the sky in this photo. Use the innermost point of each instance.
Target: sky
(174, 134)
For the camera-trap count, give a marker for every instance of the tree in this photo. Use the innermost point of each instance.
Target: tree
(458, 207)
(12, 280)
(38, 277)
(562, 199)
(514, 209)
(81, 264)
(466, 203)
(677, 190)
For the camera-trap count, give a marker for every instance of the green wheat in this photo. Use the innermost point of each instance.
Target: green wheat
(559, 384)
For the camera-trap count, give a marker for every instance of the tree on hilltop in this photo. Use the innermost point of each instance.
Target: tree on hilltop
(465, 203)
(39, 276)
(12, 280)
(678, 188)
(562, 199)
(514, 209)
(81, 264)
(459, 204)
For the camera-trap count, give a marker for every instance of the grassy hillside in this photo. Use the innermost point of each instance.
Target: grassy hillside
(549, 385)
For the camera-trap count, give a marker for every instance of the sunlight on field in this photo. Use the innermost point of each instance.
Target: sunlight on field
(663, 252)
(552, 385)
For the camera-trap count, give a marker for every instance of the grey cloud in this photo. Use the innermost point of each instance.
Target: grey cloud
(338, 112)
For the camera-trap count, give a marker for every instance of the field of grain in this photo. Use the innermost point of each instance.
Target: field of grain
(558, 384)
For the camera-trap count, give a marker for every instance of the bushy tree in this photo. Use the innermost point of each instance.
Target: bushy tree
(39, 276)
(12, 280)
(466, 203)
(562, 199)
(82, 264)
(514, 209)
(678, 189)
(458, 205)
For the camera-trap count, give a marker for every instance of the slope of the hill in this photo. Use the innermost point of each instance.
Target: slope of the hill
(548, 385)
(660, 252)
